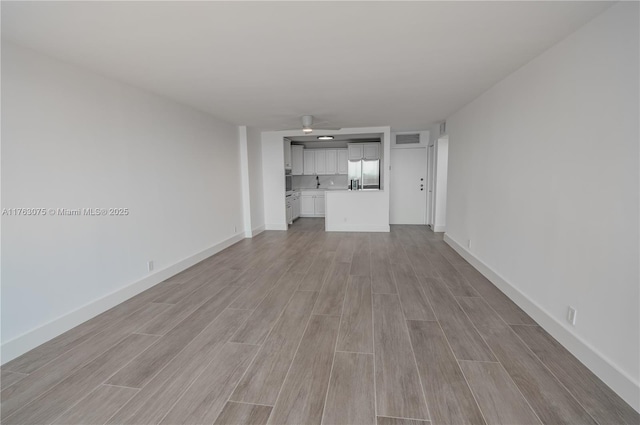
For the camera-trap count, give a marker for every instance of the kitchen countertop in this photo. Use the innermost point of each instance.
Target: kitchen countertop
(359, 190)
(335, 190)
(322, 189)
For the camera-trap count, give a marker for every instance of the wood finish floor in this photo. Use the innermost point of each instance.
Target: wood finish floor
(308, 327)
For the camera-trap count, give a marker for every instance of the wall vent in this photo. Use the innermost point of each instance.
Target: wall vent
(408, 139)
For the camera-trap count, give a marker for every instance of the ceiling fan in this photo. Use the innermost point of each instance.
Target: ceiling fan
(308, 126)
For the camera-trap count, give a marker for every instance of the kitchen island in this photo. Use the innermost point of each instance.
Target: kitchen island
(356, 210)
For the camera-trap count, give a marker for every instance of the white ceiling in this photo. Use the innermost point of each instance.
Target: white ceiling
(264, 64)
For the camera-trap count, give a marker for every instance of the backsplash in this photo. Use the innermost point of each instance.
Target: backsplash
(338, 181)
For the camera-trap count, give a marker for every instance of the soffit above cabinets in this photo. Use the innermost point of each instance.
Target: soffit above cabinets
(322, 145)
(339, 141)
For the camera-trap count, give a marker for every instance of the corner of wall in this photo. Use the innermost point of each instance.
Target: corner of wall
(244, 177)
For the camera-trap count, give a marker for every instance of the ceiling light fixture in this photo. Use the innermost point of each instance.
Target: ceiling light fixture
(306, 130)
(325, 137)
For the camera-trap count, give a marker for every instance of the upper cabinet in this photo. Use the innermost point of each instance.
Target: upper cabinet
(371, 151)
(309, 160)
(331, 161)
(321, 161)
(287, 154)
(342, 161)
(297, 161)
(355, 151)
(359, 151)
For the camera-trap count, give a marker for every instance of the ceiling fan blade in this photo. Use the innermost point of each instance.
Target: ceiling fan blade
(326, 128)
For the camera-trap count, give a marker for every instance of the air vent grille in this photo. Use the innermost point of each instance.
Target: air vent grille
(407, 139)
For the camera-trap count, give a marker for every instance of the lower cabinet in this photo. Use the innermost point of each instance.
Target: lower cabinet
(289, 213)
(292, 205)
(318, 205)
(296, 206)
(306, 205)
(312, 204)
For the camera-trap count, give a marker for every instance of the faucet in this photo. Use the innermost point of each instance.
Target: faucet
(317, 182)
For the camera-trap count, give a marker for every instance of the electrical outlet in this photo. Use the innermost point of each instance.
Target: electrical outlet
(571, 315)
(150, 265)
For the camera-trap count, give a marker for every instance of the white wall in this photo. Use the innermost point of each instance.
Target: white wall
(442, 164)
(254, 143)
(437, 169)
(73, 139)
(273, 180)
(543, 179)
(244, 180)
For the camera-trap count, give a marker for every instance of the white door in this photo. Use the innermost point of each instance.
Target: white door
(431, 169)
(408, 186)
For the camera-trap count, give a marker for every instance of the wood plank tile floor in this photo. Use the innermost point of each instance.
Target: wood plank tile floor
(309, 327)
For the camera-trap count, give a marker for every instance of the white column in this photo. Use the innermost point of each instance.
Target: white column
(244, 180)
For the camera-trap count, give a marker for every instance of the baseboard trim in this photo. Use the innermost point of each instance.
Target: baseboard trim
(358, 228)
(35, 337)
(618, 380)
(439, 229)
(257, 230)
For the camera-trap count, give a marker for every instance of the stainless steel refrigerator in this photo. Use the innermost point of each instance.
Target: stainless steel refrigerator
(366, 171)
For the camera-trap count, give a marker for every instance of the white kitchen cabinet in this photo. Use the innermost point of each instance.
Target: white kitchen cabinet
(359, 151)
(321, 161)
(312, 204)
(355, 151)
(297, 161)
(318, 205)
(307, 204)
(371, 151)
(287, 154)
(295, 203)
(331, 161)
(342, 163)
(309, 162)
(289, 212)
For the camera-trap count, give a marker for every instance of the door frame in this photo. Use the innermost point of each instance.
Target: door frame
(431, 186)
